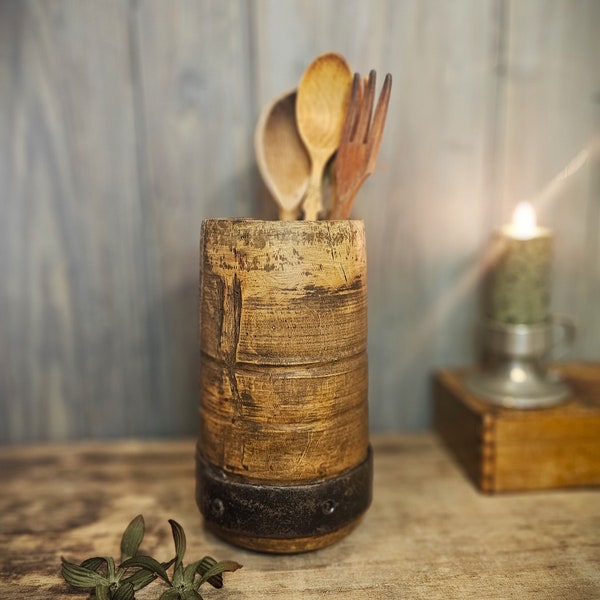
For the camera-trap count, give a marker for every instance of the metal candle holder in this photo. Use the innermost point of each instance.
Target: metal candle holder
(515, 373)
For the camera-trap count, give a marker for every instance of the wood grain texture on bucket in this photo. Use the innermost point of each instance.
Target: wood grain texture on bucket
(283, 377)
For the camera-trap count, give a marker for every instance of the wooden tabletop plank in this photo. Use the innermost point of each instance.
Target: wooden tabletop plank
(428, 534)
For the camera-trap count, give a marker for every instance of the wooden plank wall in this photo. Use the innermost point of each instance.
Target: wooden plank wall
(124, 123)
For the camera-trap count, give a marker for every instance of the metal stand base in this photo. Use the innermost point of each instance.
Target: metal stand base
(516, 376)
(517, 385)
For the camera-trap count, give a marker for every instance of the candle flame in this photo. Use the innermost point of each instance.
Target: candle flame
(524, 222)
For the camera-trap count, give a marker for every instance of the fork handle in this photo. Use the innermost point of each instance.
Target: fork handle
(342, 207)
(344, 200)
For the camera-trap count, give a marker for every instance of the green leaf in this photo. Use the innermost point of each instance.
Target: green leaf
(190, 572)
(178, 575)
(124, 592)
(204, 565)
(93, 564)
(132, 538)
(111, 572)
(148, 563)
(180, 541)
(170, 594)
(190, 595)
(81, 577)
(140, 579)
(220, 567)
(102, 592)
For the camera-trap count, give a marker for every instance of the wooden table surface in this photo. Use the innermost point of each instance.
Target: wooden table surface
(428, 534)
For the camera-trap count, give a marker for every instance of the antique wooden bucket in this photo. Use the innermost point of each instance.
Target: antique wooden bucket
(283, 461)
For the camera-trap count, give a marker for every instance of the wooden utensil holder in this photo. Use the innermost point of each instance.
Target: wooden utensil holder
(283, 460)
(506, 449)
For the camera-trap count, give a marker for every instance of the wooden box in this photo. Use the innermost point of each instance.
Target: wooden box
(504, 449)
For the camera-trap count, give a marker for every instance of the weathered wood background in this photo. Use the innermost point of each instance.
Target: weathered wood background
(124, 123)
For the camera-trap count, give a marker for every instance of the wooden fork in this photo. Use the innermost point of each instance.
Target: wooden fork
(360, 141)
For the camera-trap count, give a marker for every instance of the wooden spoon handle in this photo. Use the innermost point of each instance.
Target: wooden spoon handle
(287, 215)
(313, 203)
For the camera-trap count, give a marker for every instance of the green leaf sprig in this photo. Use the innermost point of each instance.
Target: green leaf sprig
(136, 571)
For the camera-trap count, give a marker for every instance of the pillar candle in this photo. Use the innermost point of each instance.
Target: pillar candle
(519, 282)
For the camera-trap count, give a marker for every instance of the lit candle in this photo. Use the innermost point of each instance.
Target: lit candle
(519, 286)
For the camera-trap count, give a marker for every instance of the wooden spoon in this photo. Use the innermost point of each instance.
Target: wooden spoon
(323, 96)
(281, 156)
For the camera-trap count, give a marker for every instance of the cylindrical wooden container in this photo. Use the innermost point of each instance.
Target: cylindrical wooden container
(283, 457)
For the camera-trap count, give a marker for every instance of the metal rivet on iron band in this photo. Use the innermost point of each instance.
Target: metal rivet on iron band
(328, 507)
(216, 507)
(282, 511)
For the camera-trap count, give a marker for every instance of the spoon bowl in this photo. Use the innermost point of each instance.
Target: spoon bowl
(323, 96)
(282, 159)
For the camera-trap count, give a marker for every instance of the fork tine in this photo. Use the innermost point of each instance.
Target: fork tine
(362, 84)
(352, 110)
(379, 120)
(364, 119)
